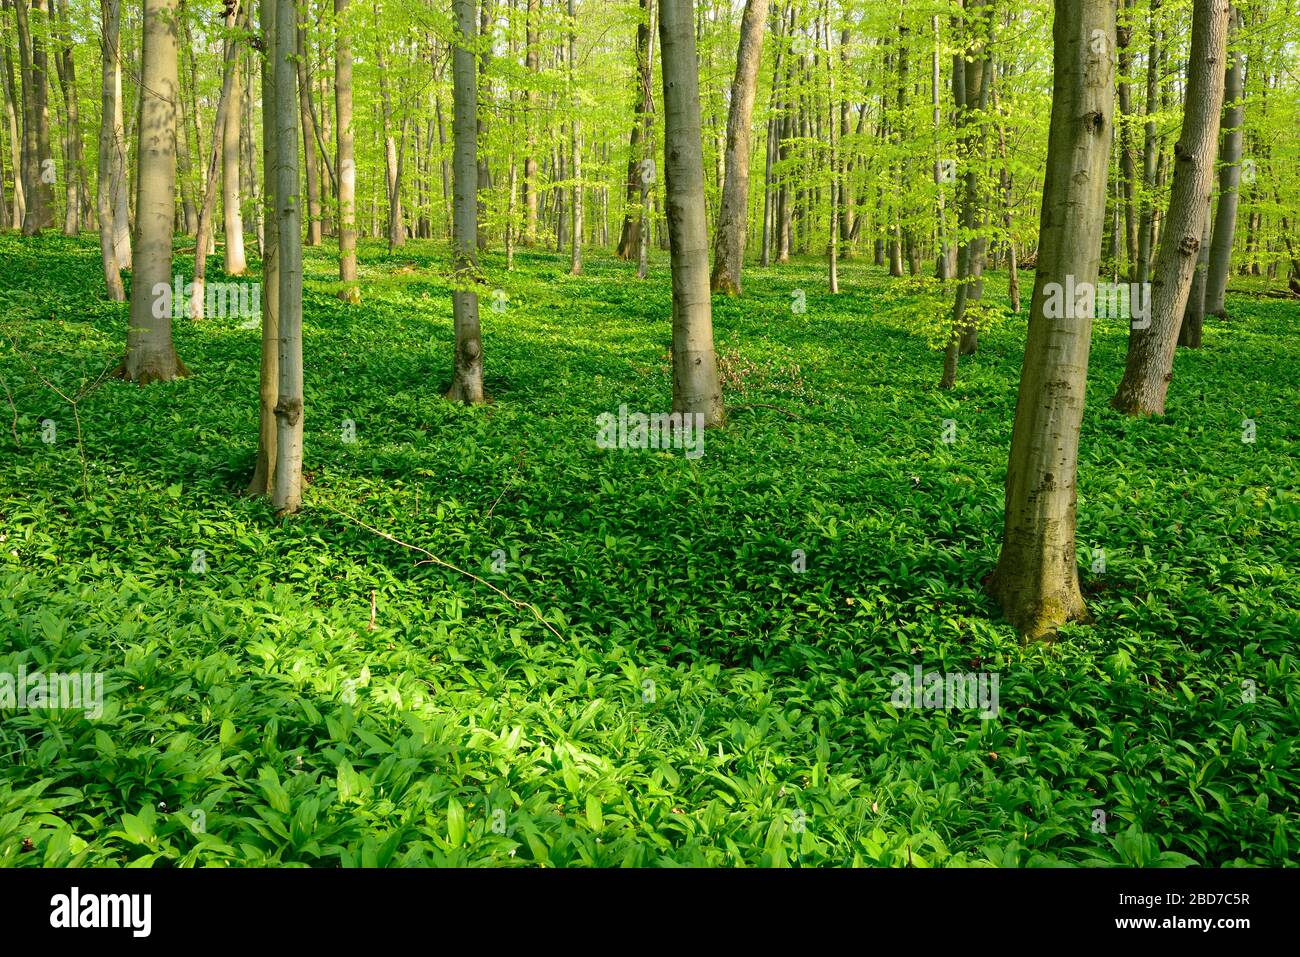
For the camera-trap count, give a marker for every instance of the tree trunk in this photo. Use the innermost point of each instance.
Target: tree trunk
(346, 162)
(38, 166)
(467, 375)
(1036, 581)
(532, 64)
(150, 355)
(1189, 335)
(630, 237)
(1225, 219)
(1149, 367)
(286, 496)
(233, 226)
(13, 106)
(696, 389)
(110, 15)
(729, 241)
(72, 126)
(264, 470)
(576, 201)
(203, 235)
(309, 134)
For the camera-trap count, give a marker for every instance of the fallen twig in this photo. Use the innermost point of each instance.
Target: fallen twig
(435, 560)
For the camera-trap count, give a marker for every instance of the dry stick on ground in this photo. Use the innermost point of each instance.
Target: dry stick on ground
(435, 560)
(85, 390)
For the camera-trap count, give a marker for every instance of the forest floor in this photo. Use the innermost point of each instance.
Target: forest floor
(700, 700)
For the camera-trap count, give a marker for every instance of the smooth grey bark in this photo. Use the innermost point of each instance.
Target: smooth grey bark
(286, 495)
(1189, 334)
(1225, 218)
(467, 376)
(72, 145)
(315, 222)
(729, 239)
(1149, 366)
(203, 235)
(262, 483)
(1036, 581)
(346, 162)
(696, 388)
(150, 355)
(630, 237)
(13, 107)
(233, 224)
(110, 16)
(575, 131)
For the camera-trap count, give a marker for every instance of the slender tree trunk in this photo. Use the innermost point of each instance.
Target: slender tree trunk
(392, 170)
(13, 107)
(346, 162)
(1150, 151)
(203, 236)
(309, 134)
(150, 355)
(286, 496)
(729, 242)
(1127, 152)
(1036, 581)
(1149, 367)
(1189, 335)
(66, 67)
(262, 483)
(38, 164)
(233, 227)
(110, 15)
(576, 201)
(532, 63)
(1225, 219)
(630, 237)
(696, 389)
(467, 376)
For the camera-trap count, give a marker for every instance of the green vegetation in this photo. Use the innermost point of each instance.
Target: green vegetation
(703, 702)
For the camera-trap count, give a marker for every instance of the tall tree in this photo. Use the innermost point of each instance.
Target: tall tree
(1036, 581)
(262, 484)
(729, 242)
(235, 262)
(467, 376)
(1225, 219)
(1149, 366)
(575, 144)
(696, 388)
(150, 355)
(346, 162)
(630, 237)
(110, 15)
(286, 495)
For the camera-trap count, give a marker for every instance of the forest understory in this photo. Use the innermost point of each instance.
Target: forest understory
(639, 656)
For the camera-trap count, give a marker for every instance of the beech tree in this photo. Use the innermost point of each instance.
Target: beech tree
(1036, 580)
(729, 243)
(150, 355)
(110, 12)
(346, 161)
(467, 375)
(286, 495)
(1225, 219)
(695, 366)
(1149, 366)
